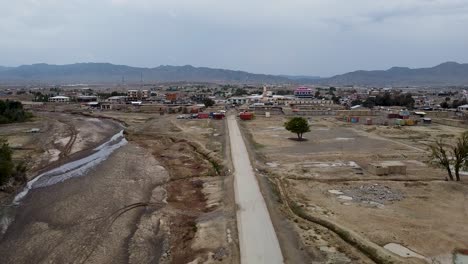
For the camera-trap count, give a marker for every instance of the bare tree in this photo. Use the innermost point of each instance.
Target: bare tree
(440, 155)
(449, 157)
(460, 154)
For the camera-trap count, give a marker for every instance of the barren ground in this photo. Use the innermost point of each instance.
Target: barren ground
(164, 197)
(326, 178)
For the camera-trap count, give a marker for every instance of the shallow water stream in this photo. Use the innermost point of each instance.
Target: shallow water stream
(62, 173)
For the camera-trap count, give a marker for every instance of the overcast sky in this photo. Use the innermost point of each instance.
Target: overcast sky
(307, 37)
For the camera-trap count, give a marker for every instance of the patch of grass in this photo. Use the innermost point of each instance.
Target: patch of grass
(258, 146)
(218, 168)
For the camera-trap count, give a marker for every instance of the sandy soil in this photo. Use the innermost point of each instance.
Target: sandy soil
(427, 217)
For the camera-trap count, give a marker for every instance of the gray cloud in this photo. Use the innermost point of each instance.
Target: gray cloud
(321, 37)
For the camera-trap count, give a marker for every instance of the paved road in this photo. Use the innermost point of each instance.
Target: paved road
(257, 238)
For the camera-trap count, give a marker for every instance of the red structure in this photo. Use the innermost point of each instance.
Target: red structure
(246, 116)
(218, 116)
(172, 97)
(203, 115)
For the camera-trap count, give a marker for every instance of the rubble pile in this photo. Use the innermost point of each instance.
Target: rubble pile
(374, 193)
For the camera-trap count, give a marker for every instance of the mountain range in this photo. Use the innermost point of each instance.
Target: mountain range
(110, 73)
(449, 73)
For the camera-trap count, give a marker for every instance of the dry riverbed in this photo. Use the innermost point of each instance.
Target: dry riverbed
(163, 197)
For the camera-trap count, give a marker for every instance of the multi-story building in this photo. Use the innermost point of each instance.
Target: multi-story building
(132, 94)
(145, 94)
(303, 92)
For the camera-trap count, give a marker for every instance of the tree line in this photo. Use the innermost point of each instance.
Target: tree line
(387, 99)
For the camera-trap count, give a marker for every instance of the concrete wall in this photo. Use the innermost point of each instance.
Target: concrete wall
(450, 122)
(432, 114)
(357, 113)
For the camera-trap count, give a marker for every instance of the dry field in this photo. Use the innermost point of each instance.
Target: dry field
(342, 213)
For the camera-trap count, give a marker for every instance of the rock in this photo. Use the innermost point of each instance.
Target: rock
(335, 192)
(344, 197)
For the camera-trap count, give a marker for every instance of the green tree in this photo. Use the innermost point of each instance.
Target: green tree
(356, 102)
(208, 102)
(298, 125)
(6, 163)
(444, 105)
(336, 99)
(12, 111)
(457, 103)
(239, 92)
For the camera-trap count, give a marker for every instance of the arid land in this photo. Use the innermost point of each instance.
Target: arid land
(163, 197)
(342, 213)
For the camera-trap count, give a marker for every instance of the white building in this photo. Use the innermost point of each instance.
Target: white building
(117, 99)
(59, 99)
(463, 108)
(238, 100)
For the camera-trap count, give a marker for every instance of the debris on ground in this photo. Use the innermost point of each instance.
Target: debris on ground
(374, 193)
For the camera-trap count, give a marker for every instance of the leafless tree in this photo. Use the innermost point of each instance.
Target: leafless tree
(451, 157)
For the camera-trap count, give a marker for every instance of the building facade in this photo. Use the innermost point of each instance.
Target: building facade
(303, 92)
(59, 99)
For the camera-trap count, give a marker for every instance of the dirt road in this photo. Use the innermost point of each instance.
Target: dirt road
(257, 238)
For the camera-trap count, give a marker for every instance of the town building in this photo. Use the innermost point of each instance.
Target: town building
(172, 97)
(463, 108)
(238, 100)
(145, 94)
(117, 99)
(303, 92)
(59, 99)
(86, 98)
(132, 94)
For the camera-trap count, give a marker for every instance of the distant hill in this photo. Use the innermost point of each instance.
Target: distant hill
(3, 68)
(110, 73)
(449, 73)
(302, 79)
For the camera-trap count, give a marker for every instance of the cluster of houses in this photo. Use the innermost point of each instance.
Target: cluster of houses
(299, 98)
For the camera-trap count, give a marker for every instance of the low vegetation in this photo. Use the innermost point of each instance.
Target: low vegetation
(12, 111)
(8, 169)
